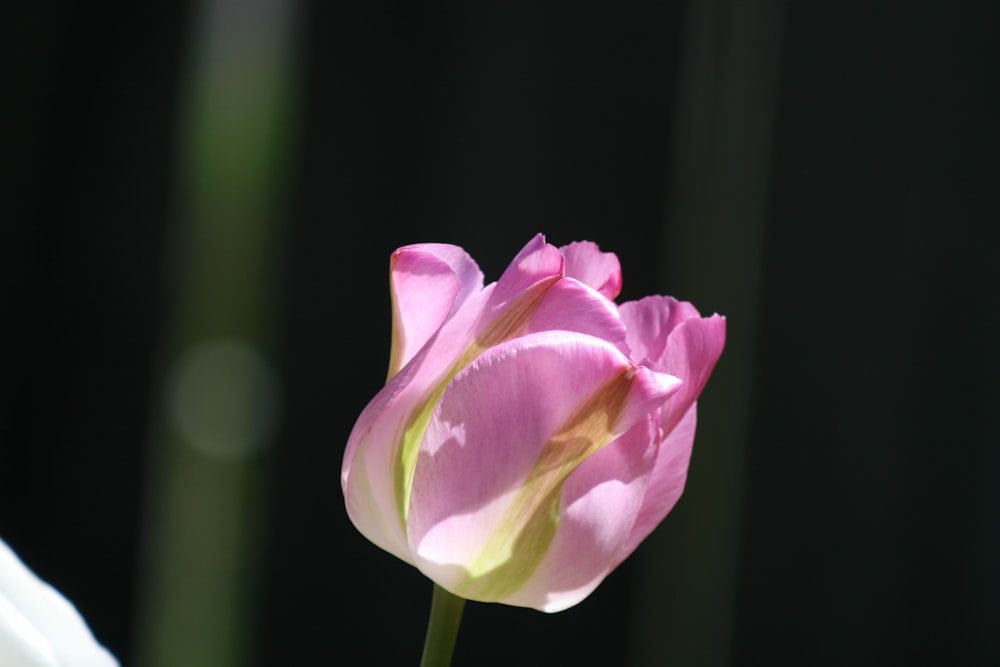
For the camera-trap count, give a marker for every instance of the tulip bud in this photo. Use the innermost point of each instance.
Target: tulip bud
(532, 433)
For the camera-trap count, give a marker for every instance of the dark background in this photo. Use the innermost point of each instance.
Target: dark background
(859, 282)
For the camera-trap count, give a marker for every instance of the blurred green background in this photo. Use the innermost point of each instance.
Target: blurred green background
(199, 205)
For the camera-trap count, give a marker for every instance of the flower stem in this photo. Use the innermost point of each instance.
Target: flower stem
(442, 629)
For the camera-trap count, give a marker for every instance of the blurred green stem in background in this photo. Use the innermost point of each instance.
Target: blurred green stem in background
(206, 501)
(687, 571)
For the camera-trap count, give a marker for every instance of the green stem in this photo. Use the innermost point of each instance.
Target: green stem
(442, 629)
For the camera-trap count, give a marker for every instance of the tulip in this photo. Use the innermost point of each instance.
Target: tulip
(38, 626)
(531, 432)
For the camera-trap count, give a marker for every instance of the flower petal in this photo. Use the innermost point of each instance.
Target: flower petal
(572, 306)
(649, 321)
(487, 481)
(691, 352)
(599, 502)
(666, 483)
(601, 270)
(428, 282)
(38, 626)
(537, 261)
(371, 464)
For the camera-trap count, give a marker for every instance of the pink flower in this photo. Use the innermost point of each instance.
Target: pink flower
(531, 433)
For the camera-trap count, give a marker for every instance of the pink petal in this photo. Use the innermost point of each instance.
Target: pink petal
(370, 467)
(494, 422)
(572, 306)
(428, 282)
(600, 501)
(666, 482)
(691, 352)
(537, 261)
(600, 270)
(650, 320)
